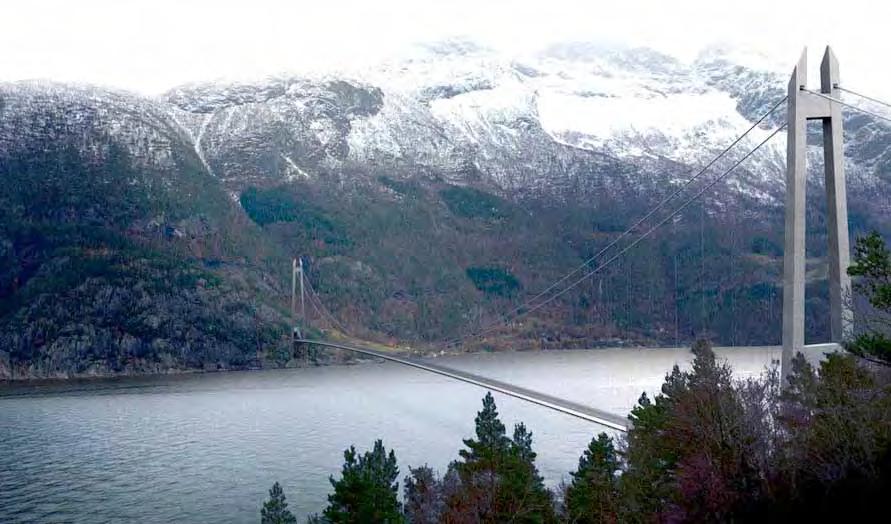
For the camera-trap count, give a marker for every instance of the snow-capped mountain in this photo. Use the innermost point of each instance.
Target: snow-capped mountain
(520, 124)
(404, 183)
(546, 122)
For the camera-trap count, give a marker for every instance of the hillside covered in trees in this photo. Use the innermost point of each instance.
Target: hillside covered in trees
(146, 234)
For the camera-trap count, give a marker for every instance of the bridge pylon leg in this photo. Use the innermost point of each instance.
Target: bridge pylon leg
(793, 252)
(841, 314)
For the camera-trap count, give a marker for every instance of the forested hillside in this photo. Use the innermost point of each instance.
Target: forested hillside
(150, 234)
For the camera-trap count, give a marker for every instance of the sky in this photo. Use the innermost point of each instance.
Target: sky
(149, 46)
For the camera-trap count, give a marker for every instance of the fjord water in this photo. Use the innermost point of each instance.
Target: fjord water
(206, 448)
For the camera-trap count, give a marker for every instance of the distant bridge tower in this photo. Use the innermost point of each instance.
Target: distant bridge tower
(804, 106)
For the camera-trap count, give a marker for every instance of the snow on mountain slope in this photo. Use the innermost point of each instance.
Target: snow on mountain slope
(32, 113)
(573, 117)
(274, 130)
(458, 101)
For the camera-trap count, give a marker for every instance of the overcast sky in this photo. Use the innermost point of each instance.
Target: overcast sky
(151, 45)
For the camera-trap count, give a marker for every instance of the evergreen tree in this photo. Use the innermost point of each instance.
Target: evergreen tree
(872, 266)
(592, 496)
(491, 440)
(799, 397)
(646, 485)
(275, 510)
(522, 491)
(496, 480)
(367, 490)
(475, 480)
(521, 444)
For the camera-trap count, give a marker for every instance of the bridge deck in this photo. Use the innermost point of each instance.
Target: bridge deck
(597, 416)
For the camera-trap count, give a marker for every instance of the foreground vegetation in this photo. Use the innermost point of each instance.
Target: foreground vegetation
(708, 448)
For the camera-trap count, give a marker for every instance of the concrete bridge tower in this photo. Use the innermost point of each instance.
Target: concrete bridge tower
(804, 106)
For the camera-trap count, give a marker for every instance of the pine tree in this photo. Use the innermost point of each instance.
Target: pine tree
(521, 444)
(872, 266)
(645, 486)
(592, 496)
(475, 478)
(275, 510)
(491, 440)
(497, 477)
(522, 495)
(367, 490)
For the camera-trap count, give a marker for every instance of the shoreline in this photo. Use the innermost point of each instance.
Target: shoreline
(61, 378)
(98, 376)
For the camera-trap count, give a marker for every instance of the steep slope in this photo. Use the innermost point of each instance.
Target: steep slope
(119, 252)
(428, 195)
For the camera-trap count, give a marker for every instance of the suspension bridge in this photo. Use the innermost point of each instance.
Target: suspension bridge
(802, 105)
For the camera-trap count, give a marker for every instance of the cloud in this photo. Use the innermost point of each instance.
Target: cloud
(151, 45)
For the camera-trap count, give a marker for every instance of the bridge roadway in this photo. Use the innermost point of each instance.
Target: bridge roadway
(597, 416)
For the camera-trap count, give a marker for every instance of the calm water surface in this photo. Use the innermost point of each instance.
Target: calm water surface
(206, 448)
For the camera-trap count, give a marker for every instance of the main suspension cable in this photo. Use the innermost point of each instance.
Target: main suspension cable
(506, 316)
(861, 95)
(643, 236)
(846, 104)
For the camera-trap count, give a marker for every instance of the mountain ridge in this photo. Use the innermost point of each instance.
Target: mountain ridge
(403, 186)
